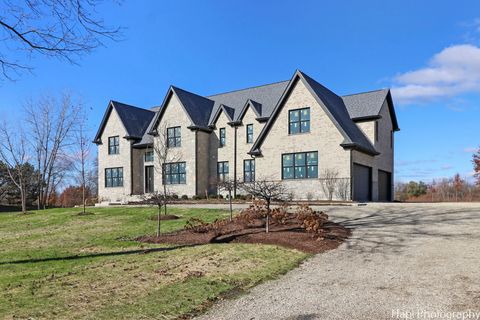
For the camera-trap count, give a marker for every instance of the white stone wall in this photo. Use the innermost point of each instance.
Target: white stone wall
(175, 116)
(323, 137)
(114, 127)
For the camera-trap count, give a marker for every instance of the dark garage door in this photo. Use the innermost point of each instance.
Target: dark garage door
(362, 183)
(384, 186)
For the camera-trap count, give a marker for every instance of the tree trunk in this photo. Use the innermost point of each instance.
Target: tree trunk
(83, 197)
(268, 217)
(23, 200)
(230, 203)
(158, 217)
(165, 197)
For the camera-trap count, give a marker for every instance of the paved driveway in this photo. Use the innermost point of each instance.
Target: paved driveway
(402, 260)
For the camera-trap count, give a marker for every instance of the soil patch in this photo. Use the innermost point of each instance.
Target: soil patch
(165, 217)
(288, 234)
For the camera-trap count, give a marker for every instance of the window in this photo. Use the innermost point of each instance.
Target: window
(222, 137)
(391, 139)
(299, 121)
(114, 145)
(113, 177)
(175, 173)
(302, 165)
(222, 170)
(249, 170)
(376, 130)
(249, 133)
(149, 156)
(174, 137)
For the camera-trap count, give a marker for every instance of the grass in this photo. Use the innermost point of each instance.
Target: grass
(58, 264)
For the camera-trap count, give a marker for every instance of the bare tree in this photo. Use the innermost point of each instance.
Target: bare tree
(64, 29)
(164, 153)
(52, 125)
(267, 190)
(14, 153)
(229, 186)
(81, 157)
(329, 179)
(342, 190)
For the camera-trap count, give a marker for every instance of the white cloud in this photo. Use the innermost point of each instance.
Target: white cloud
(470, 149)
(452, 71)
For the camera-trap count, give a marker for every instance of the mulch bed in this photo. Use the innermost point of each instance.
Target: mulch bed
(165, 217)
(289, 235)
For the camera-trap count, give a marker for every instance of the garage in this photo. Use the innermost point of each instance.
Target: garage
(384, 186)
(362, 183)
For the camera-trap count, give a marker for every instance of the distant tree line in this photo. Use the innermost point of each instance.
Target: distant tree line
(44, 153)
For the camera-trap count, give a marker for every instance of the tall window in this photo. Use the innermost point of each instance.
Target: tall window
(149, 156)
(222, 170)
(175, 173)
(376, 130)
(113, 177)
(391, 139)
(174, 137)
(249, 170)
(113, 145)
(299, 121)
(302, 165)
(249, 133)
(222, 137)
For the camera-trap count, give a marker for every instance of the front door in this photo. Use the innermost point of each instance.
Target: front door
(148, 179)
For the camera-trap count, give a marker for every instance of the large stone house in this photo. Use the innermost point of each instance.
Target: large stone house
(297, 132)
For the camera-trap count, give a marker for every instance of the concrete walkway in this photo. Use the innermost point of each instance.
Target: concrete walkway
(403, 261)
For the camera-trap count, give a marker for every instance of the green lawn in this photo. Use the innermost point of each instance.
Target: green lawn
(57, 264)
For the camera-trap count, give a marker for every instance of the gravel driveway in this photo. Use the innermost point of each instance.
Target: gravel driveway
(404, 261)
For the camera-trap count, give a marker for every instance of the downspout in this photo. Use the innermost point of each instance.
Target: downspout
(235, 163)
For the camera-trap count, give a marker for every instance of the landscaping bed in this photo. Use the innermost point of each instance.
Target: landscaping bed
(304, 229)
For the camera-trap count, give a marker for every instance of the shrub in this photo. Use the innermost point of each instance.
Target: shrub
(220, 196)
(184, 197)
(312, 221)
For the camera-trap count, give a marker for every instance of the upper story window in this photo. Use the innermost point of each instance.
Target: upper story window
(113, 177)
(301, 165)
(223, 138)
(114, 145)
(222, 170)
(299, 121)
(175, 173)
(174, 137)
(149, 156)
(376, 130)
(249, 133)
(249, 170)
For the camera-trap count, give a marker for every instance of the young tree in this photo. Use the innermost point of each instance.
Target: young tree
(476, 166)
(457, 185)
(64, 29)
(266, 190)
(14, 154)
(229, 186)
(51, 124)
(81, 158)
(164, 153)
(329, 179)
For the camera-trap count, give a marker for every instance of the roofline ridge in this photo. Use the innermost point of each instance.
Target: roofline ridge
(248, 88)
(129, 105)
(190, 92)
(370, 91)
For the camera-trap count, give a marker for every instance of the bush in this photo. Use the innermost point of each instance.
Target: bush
(220, 196)
(198, 197)
(240, 197)
(174, 197)
(184, 197)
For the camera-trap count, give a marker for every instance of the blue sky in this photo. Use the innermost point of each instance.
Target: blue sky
(427, 51)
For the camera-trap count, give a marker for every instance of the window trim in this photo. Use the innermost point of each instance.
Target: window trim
(178, 173)
(222, 174)
(115, 145)
(294, 166)
(224, 143)
(118, 185)
(174, 137)
(252, 172)
(247, 135)
(299, 120)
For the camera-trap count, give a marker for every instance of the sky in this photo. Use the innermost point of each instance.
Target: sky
(427, 52)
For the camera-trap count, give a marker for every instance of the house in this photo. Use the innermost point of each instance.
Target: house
(296, 131)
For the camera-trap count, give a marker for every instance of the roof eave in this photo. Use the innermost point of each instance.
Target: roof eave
(355, 146)
(367, 118)
(199, 128)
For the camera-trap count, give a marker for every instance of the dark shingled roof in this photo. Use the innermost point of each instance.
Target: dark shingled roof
(366, 104)
(265, 98)
(134, 119)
